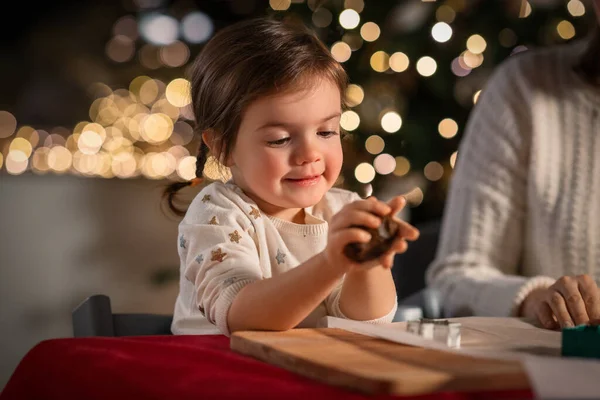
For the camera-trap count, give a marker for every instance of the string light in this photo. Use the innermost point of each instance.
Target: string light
(354, 95)
(370, 31)
(402, 166)
(441, 32)
(576, 8)
(399, 62)
(374, 144)
(280, 5)
(364, 172)
(453, 159)
(341, 51)
(349, 120)
(380, 61)
(448, 128)
(426, 66)
(349, 19)
(433, 171)
(391, 122)
(565, 30)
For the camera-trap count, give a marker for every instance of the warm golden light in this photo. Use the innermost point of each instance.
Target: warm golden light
(374, 144)
(576, 8)
(370, 31)
(380, 61)
(187, 168)
(391, 122)
(341, 51)
(120, 49)
(354, 95)
(448, 128)
(399, 62)
(356, 5)
(433, 171)
(402, 166)
(349, 120)
(565, 30)
(8, 124)
(148, 91)
(476, 96)
(59, 159)
(178, 92)
(280, 5)
(22, 145)
(414, 197)
(453, 159)
(426, 66)
(476, 44)
(445, 13)
(364, 172)
(384, 164)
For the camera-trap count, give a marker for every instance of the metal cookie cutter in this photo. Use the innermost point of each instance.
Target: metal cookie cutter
(440, 330)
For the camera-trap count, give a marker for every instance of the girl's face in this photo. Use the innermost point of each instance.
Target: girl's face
(288, 151)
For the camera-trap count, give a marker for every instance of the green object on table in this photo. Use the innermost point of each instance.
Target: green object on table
(581, 341)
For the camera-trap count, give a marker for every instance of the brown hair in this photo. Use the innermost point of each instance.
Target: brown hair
(242, 62)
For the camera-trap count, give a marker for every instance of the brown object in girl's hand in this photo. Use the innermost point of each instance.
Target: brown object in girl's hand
(381, 241)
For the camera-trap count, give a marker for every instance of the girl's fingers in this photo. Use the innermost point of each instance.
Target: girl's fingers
(545, 316)
(397, 204)
(559, 309)
(407, 231)
(351, 235)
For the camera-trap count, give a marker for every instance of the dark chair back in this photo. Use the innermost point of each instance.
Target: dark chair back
(94, 317)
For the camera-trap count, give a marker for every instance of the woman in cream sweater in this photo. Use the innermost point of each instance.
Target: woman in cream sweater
(521, 230)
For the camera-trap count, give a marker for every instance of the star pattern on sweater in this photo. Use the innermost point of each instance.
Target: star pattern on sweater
(217, 255)
(213, 221)
(182, 242)
(206, 198)
(254, 212)
(200, 259)
(235, 236)
(231, 280)
(280, 257)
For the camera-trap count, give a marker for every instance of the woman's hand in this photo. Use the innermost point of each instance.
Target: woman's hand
(572, 300)
(343, 230)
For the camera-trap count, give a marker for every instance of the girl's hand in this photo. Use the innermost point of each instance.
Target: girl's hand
(572, 300)
(343, 230)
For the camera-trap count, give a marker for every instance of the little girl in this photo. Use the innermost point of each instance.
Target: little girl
(264, 251)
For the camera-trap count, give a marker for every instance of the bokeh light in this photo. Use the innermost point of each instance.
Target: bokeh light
(426, 66)
(364, 172)
(402, 166)
(354, 95)
(380, 61)
(433, 171)
(341, 51)
(448, 128)
(384, 164)
(197, 27)
(441, 32)
(391, 122)
(8, 124)
(349, 120)
(399, 62)
(374, 144)
(349, 19)
(370, 31)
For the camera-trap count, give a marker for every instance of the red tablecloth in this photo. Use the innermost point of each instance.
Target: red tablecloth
(169, 367)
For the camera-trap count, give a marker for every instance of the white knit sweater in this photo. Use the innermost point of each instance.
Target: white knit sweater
(524, 202)
(225, 242)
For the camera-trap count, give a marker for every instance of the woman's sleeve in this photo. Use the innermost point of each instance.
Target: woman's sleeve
(476, 265)
(219, 254)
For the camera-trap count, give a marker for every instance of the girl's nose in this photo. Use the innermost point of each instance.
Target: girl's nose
(307, 151)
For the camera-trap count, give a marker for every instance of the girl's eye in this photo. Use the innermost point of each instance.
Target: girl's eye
(327, 134)
(278, 142)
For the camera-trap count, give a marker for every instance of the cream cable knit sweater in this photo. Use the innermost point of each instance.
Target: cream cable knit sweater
(524, 202)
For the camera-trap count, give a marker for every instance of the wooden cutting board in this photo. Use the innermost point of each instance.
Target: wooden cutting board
(375, 366)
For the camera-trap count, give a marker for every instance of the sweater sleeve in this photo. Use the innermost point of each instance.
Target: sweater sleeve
(476, 265)
(219, 254)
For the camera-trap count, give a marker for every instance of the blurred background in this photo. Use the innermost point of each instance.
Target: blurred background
(95, 121)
